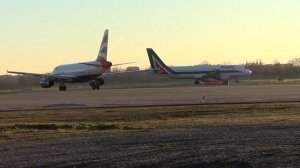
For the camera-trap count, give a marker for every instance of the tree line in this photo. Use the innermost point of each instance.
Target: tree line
(291, 70)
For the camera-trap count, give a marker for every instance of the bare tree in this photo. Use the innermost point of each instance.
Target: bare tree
(205, 63)
(295, 61)
(116, 69)
(226, 63)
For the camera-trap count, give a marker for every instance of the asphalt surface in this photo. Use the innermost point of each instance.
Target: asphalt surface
(148, 96)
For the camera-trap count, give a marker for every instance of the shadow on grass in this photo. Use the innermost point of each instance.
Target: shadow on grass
(94, 127)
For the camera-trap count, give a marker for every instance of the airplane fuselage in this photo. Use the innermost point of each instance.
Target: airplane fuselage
(226, 72)
(80, 72)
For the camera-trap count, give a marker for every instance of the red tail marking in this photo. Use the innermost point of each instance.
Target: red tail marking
(105, 64)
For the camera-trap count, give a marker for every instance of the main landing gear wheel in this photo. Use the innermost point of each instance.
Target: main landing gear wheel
(95, 84)
(196, 82)
(62, 88)
(226, 82)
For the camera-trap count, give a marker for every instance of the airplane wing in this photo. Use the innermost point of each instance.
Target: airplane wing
(98, 64)
(55, 77)
(125, 72)
(212, 75)
(26, 73)
(123, 63)
(67, 78)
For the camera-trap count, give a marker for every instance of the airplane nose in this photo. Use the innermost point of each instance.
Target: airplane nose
(249, 71)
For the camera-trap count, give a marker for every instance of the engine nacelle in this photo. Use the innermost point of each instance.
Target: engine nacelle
(46, 82)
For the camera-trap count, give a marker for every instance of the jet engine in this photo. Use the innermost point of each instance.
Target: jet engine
(45, 82)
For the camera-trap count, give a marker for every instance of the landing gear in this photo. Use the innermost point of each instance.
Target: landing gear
(226, 82)
(62, 87)
(95, 84)
(196, 82)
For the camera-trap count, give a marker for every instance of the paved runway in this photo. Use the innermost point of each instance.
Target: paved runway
(148, 96)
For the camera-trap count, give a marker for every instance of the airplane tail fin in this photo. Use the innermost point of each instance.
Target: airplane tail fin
(157, 64)
(102, 55)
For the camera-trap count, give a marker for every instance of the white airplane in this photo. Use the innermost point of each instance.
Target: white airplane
(93, 71)
(221, 73)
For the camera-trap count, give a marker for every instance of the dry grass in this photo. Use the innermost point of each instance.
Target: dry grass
(149, 117)
(233, 135)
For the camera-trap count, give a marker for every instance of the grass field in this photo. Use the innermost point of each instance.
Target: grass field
(135, 83)
(217, 135)
(151, 117)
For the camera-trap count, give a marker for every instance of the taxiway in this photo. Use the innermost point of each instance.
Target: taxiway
(148, 96)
